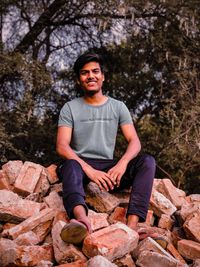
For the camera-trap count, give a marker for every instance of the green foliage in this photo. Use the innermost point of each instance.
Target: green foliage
(28, 126)
(152, 50)
(173, 137)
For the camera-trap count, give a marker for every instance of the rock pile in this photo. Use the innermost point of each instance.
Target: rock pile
(32, 216)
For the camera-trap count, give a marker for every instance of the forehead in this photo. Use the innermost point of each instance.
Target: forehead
(91, 65)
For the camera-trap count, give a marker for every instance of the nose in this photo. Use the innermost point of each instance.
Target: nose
(90, 74)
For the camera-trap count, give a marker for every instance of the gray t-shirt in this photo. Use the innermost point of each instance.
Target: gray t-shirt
(94, 127)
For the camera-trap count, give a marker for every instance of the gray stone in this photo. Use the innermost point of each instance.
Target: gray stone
(155, 259)
(102, 201)
(100, 261)
(161, 205)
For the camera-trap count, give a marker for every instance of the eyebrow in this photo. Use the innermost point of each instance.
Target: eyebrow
(82, 70)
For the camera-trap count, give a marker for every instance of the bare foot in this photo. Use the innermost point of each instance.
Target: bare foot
(132, 222)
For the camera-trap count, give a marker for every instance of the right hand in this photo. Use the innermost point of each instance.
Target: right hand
(102, 179)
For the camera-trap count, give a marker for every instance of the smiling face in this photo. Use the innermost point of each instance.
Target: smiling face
(91, 78)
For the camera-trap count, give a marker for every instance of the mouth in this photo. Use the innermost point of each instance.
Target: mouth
(91, 83)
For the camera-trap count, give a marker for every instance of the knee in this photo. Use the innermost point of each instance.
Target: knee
(149, 161)
(70, 169)
(71, 164)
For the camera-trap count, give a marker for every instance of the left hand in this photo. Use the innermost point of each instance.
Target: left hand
(117, 172)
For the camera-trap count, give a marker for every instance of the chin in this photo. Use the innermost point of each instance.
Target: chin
(91, 92)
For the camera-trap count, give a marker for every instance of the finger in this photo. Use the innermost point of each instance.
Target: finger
(118, 180)
(108, 175)
(109, 181)
(104, 184)
(113, 177)
(99, 185)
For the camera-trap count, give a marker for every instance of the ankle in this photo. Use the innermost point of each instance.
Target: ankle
(79, 212)
(132, 221)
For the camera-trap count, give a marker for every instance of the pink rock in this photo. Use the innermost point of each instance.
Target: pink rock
(48, 239)
(123, 196)
(14, 255)
(45, 264)
(150, 258)
(97, 220)
(160, 204)
(37, 197)
(106, 242)
(28, 178)
(176, 196)
(100, 261)
(150, 218)
(188, 209)
(54, 201)
(165, 222)
(32, 255)
(57, 188)
(166, 234)
(192, 226)
(118, 215)
(40, 224)
(12, 169)
(61, 216)
(101, 201)
(150, 245)
(4, 183)
(125, 261)
(52, 175)
(15, 209)
(27, 239)
(64, 252)
(174, 252)
(156, 183)
(177, 234)
(9, 225)
(196, 263)
(8, 252)
(194, 198)
(43, 185)
(78, 263)
(189, 249)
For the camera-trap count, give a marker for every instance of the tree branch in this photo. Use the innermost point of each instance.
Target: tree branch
(39, 26)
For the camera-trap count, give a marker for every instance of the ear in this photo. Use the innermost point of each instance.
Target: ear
(103, 77)
(77, 81)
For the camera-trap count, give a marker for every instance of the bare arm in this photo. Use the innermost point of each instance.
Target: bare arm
(63, 148)
(131, 152)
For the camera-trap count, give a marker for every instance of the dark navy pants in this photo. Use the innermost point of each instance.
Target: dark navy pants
(139, 175)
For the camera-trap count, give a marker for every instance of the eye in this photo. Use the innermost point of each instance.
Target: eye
(96, 71)
(83, 72)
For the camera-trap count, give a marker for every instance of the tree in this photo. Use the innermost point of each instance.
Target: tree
(157, 73)
(152, 54)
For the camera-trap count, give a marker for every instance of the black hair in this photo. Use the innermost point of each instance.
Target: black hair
(85, 58)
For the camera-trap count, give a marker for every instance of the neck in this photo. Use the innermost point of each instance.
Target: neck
(96, 99)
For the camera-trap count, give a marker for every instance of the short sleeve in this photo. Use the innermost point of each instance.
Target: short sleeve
(124, 115)
(65, 117)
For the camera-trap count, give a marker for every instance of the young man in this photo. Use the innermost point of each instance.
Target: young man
(86, 138)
